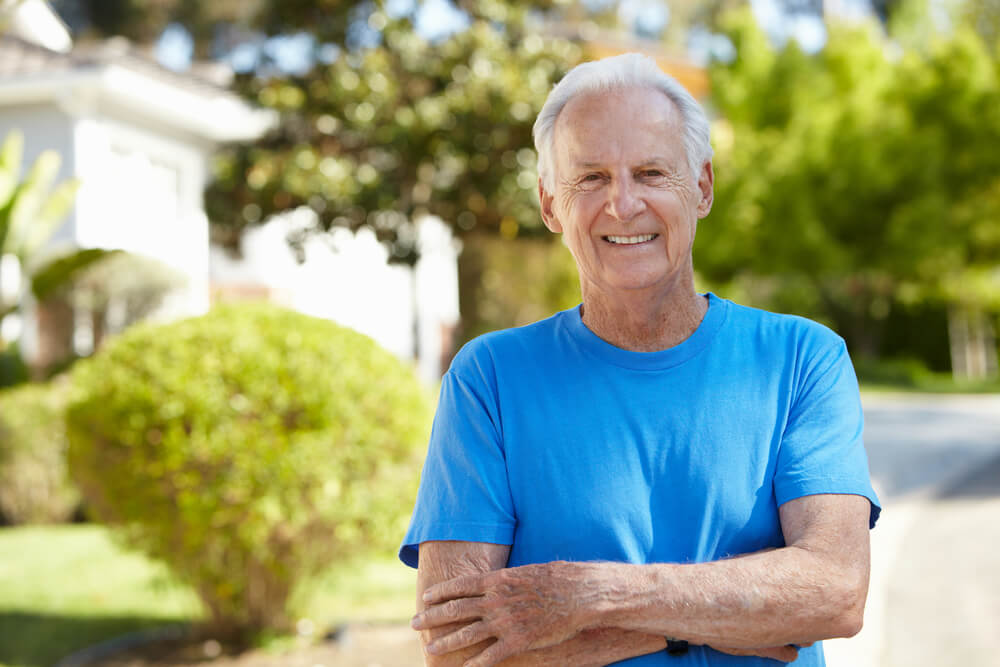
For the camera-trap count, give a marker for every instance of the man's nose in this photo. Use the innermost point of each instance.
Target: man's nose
(624, 200)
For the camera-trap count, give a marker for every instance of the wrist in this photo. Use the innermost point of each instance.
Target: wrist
(641, 597)
(607, 591)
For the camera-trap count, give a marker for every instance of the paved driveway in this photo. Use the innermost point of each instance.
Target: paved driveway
(935, 591)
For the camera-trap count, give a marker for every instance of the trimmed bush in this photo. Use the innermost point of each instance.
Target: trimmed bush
(13, 370)
(34, 485)
(248, 448)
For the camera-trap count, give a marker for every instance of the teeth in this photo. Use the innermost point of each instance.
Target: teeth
(629, 240)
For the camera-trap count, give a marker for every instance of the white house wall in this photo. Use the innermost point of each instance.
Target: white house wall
(437, 293)
(353, 284)
(346, 278)
(141, 192)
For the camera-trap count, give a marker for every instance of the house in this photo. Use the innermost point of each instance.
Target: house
(139, 138)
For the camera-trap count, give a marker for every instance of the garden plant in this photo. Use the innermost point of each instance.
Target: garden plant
(249, 449)
(34, 484)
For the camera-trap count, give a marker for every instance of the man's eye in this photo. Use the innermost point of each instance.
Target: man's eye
(652, 173)
(592, 177)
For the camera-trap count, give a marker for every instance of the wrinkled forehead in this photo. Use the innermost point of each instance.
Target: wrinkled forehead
(618, 123)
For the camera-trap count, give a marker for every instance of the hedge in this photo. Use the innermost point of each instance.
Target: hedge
(248, 448)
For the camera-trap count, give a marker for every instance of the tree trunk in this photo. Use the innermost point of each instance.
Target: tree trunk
(56, 325)
(470, 274)
(972, 339)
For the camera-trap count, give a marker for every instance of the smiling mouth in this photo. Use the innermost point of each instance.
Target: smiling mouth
(629, 240)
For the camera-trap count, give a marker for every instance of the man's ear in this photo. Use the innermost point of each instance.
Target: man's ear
(548, 216)
(706, 181)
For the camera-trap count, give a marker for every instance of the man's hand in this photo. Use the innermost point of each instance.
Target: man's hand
(787, 653)
(523, 608)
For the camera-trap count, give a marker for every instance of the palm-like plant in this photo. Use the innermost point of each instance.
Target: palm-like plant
(31, 210)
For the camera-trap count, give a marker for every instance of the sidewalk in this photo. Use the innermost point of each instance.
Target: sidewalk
(934, 598)
(944, 595)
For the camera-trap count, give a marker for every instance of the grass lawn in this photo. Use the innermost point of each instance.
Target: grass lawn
(932, 387)
(909, 376)
(63, 588)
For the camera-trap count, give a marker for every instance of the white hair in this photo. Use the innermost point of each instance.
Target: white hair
(629, 70)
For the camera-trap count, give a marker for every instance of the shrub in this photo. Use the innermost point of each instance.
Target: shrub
(13, 370)
(34, 485)
(908, 373)
(248, 449)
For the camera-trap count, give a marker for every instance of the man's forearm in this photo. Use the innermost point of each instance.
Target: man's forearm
(813, 589)
(595, 648)
(591, 648)
(784, 596)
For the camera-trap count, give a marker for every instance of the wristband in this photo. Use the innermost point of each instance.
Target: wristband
(676, 647)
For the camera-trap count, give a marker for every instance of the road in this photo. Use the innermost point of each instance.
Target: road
(934, 598)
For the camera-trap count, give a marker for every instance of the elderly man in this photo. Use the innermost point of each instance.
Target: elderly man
(657, 476)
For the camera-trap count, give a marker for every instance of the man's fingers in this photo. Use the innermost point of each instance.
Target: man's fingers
(452, 611)
(494, 655)
(783, 653)
(459, 587)
(470, 635)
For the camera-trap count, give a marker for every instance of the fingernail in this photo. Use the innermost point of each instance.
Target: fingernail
(415, 622)
(427, 596)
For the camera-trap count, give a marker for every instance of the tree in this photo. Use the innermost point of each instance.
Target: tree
(396, 127)
(404, 127)
(143, 21)
(983, 16)
(851, 182)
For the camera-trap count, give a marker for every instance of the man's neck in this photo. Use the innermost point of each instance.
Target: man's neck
(641, 323)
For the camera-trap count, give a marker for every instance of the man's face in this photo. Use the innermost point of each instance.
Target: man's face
(624, 198)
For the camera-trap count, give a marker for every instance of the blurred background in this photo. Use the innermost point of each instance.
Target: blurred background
(169, 166)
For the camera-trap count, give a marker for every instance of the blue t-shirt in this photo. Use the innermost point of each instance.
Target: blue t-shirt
(551, 440)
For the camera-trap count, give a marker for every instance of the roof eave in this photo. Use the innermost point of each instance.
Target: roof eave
(217, 117)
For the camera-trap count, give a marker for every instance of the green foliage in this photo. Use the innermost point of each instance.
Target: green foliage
(135, 283)
(916, 22)
(397, 129)
(856, 179)
(249, 449)
(31, 210)
(55, 275)
(143, 21)
(34, 484)
(903, 373)
(522, 281)
(13, 370)
(912, 375)
(387, 133)
(983, 16)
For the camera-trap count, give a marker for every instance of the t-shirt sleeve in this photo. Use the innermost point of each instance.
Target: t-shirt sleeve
(822, 450)
(464, 492)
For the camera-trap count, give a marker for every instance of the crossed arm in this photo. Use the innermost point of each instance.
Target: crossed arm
(474, 611)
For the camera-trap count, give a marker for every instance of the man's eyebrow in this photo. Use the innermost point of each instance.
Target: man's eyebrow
(656, 160)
